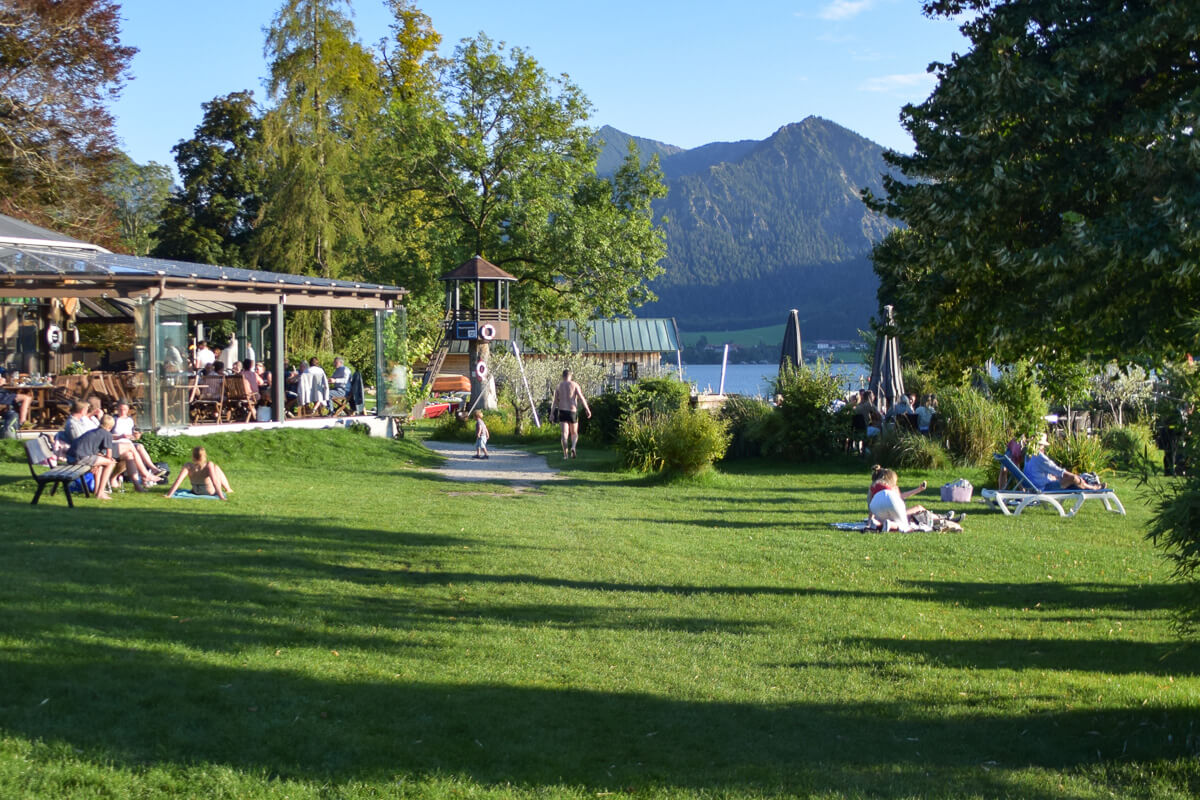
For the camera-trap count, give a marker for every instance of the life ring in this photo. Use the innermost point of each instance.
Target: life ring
(481, 370)
(487, 332)
(54, 337)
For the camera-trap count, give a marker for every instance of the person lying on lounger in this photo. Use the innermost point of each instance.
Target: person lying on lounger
(207, 478)
(1045, 474)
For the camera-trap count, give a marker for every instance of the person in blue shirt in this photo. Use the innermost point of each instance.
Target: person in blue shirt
(1045, 474)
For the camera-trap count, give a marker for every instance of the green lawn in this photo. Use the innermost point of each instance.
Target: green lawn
(349, 626)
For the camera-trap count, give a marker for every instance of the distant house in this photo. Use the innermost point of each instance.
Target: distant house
(631, 347)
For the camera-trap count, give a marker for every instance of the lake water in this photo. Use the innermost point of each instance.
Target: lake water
(755, 379)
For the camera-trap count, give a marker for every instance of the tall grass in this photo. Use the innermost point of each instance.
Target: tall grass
(974, 426)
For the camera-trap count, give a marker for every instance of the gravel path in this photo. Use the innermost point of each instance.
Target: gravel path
(511, 466)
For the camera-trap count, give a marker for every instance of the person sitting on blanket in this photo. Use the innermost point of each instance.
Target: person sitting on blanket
(1045, 474)
(886, 502)
(207, 478)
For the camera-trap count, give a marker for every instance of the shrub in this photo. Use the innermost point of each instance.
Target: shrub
(1079, 452)
(973, 425)
(605, 425)
(639, 441)
(686, 441)
(806, 429)
(1175, 528)
(918, 380)
(692, 440)
(1132, 448)
(1018, 393)
(165, 448)
(901, 449)
(745, 417)
(655, 396)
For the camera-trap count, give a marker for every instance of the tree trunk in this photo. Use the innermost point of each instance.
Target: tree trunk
(479, 351)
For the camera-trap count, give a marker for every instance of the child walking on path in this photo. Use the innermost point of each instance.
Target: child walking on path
(481, 436)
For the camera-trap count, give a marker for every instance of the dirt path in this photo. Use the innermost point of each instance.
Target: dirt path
(510, 466)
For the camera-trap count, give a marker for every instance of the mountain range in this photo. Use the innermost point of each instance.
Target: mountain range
(756, 228)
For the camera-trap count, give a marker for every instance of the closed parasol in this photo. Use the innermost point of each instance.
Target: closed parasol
(887, 382)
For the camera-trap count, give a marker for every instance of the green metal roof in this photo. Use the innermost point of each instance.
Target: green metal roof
(652, 335)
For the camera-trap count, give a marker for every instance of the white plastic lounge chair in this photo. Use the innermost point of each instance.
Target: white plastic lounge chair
(1012, 501)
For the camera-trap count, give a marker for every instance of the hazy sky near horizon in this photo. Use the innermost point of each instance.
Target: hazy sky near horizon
(682, 72)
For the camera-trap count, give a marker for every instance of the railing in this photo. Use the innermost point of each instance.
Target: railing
(481, 315)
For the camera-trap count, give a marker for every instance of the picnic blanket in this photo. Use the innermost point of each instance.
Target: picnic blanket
(862, 526)
(188, 494)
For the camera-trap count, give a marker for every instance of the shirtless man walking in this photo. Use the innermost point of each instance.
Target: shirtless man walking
(567, 397)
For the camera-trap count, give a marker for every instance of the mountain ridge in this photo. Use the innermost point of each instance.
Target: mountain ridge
(757, 227)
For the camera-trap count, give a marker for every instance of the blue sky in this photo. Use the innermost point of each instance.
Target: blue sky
(685, 73)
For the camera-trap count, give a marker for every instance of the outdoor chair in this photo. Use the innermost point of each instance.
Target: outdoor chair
(207, 398)
(1021, 493)
(38, 453)
(238, 399)
(344, 404)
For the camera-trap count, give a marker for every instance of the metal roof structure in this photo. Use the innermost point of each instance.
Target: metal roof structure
(651, 335)
(35, 262)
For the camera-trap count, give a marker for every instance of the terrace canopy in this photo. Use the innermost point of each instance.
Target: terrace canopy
(62, 278)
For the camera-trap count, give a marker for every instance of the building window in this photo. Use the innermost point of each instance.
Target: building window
(630, 372)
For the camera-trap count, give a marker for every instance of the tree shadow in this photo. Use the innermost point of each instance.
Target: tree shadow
(133, 708)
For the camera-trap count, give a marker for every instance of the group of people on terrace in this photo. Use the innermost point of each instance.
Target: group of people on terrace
(868, 421)
(306, 385)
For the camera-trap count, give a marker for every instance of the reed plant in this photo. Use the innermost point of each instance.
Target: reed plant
(974, 427)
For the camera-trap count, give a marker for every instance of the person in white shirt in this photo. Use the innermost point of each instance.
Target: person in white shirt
(204, 356)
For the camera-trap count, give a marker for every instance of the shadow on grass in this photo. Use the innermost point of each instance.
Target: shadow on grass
(113, 634)
(1092, 655)
(133, 708)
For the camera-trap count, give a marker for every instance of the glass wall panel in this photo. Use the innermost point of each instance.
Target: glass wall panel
(170, 364)
(391, 363)
(144, 384)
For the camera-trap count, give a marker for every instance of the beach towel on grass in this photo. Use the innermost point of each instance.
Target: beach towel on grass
(863, 527)
(188, 494)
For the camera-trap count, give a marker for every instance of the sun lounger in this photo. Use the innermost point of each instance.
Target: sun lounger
(1015, 499)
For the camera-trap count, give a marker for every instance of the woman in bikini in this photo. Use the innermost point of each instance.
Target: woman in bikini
(206, 477)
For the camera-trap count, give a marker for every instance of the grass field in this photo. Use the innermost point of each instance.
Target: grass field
(750, 337)
(350, 626)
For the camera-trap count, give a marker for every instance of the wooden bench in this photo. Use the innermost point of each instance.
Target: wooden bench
(37, 453)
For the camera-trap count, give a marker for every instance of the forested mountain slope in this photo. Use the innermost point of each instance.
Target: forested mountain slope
(757, 228)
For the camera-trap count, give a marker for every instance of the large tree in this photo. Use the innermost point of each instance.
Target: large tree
(1052, 201)
(139, 193)
(211, 218)
(507, 167)
(61, 64)
(324, 86)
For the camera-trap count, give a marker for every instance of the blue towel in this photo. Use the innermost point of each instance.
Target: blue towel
(188, 494)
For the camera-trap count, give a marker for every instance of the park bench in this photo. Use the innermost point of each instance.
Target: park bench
(37, 453)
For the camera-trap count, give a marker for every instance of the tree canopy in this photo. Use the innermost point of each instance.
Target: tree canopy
(1052, 198)
(324, 85)
(61, 63)
(507, 169)
(139, 193)
(211, 218)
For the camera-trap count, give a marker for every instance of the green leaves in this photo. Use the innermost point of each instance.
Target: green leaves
(1049, 197)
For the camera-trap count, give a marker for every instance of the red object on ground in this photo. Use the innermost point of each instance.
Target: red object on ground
(436, 410)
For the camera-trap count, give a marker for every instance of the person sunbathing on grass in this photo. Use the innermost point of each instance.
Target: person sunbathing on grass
(206, 477)
(886, 502)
